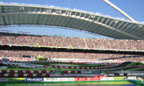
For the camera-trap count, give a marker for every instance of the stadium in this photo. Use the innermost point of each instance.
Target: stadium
(38, 59)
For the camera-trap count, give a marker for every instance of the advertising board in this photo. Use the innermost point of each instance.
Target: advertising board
(132, 78)
(96, 78)
(110, 78)
(3, 79)
(118, 78)
(58, 79)
(35, 79)
(16, 79)
(86, 72)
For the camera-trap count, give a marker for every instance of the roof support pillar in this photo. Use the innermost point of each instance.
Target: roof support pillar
(119, 10)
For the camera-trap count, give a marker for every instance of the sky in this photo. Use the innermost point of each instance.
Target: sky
(135, 8)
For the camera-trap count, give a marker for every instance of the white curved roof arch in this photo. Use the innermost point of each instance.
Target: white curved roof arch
(15, 14)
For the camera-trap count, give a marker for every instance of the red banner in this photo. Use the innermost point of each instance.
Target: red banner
(96, 78)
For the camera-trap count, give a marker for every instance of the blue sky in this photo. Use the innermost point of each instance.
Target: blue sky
(132, 7)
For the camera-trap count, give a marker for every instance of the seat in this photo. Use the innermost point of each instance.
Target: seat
(69, 67)
(1, 74)
(75, 67)
(79, 72)
(35, 71)
(72, 72)
(38, 75)
(43, 71)
(4, 71)
(58, 67)
(11, 74)
(65, 72)
(12, 71)
(29, 75)
(28, 71)
(47, 75)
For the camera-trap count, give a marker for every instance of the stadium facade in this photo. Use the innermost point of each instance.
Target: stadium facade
(37, 52)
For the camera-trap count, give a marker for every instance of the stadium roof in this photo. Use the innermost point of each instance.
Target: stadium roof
(15, 14)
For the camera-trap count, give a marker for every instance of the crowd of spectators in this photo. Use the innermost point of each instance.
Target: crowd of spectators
(42, 41)
(72, 55)
(72, 43)
(90, 43)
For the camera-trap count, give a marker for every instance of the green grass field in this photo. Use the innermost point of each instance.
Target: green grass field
(91, 83)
